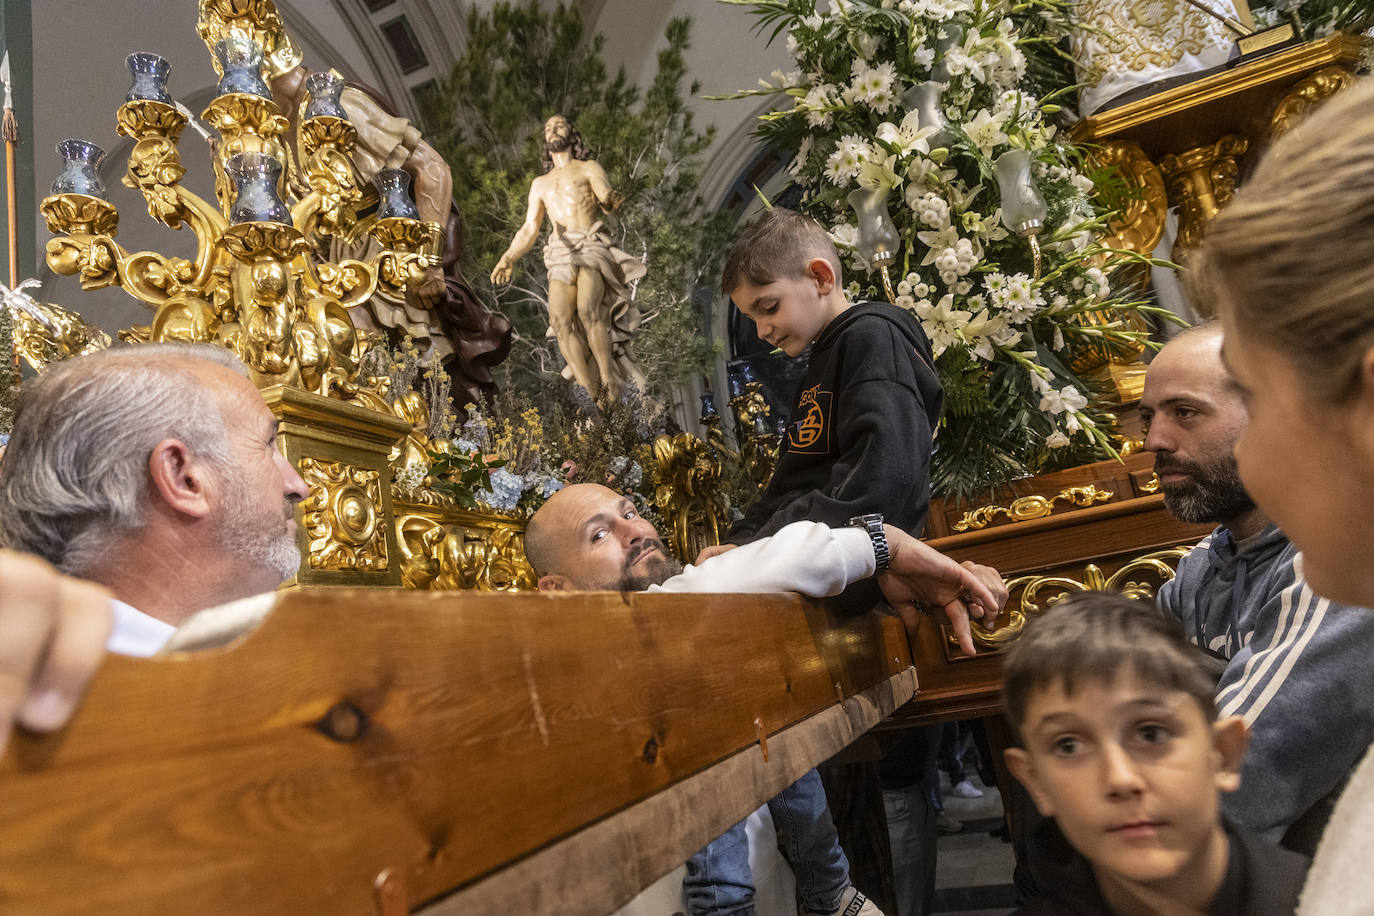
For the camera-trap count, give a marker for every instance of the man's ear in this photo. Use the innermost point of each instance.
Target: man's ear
(1359, 411)
(178, 479)
(554, 583)
(1022, 767)
(823, 272)
(1230, 736)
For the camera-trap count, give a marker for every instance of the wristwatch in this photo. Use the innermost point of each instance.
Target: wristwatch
(873, 524)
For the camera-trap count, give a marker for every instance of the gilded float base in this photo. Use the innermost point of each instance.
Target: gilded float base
(342, 451)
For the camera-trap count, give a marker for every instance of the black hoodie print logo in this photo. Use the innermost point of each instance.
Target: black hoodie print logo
(811, 434)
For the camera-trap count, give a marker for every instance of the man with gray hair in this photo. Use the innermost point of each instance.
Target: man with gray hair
(153, 471)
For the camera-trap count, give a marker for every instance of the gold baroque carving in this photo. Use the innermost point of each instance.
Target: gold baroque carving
(342, 516)
(1134, 580)
(60, 334)
(1306, 95)
(463, 550)
(1202, 181)
(1028, 507)
(73, 214)
(1141, 224)
(688, 493)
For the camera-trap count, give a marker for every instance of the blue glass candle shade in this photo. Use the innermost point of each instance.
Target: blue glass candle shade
(81, 161)
(150, 72)
(240, 62)
(394, 187)
(324, 88)
(708, 406)
(255, 177)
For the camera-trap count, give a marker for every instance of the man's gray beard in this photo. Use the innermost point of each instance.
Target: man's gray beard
(265, 541)
(1214, 495)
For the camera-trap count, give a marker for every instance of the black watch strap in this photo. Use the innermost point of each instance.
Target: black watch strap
(873, 524)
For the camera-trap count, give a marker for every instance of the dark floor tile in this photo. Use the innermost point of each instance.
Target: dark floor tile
(957, 899)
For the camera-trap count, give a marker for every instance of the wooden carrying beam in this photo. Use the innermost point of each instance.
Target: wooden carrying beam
(476, 743)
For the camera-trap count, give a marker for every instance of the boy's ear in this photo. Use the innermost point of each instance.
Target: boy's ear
(1230, 736)
(1023, 768)
(823, 272)
(553, 583)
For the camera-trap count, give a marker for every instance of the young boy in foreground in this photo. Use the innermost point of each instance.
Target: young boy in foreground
(1122, 748)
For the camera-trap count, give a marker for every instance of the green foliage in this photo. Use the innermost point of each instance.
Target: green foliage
(462, 476)
(521, 65)
(1316, 18)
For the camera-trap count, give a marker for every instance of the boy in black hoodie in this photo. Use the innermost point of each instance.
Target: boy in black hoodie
(857, 452)
(859, 438)
(1121, 747)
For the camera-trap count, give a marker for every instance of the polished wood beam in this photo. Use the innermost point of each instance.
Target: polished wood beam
(443, 739)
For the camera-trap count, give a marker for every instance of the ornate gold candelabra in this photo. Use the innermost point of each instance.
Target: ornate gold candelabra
(262, 281)
(258, 284)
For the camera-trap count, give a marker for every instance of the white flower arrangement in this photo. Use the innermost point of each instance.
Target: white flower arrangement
(1004, 339)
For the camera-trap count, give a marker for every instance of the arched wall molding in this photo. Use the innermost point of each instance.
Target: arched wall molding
(745, 156)
(389, 78)
(440, 28)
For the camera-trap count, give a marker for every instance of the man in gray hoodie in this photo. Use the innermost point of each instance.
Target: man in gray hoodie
(1294, 665)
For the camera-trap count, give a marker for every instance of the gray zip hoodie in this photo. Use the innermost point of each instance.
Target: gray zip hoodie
(1299, 670)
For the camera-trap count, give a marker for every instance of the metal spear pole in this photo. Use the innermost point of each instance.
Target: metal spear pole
(10, 130)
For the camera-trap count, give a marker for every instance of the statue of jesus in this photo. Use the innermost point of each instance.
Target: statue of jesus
(590, 310)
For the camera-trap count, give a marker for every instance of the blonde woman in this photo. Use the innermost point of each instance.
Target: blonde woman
(1289, 266)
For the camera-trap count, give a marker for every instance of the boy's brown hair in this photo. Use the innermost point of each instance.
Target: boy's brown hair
(778, 243)
(1096, 636)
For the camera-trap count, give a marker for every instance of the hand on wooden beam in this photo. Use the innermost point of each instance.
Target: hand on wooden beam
(52, 640)
(919, 577)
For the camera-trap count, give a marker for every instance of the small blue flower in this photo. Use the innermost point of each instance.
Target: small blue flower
(619, 464)
(466, 445)
(550, 486)
(506, 489)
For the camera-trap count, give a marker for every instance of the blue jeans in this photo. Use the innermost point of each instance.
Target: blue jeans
(719, 882)
(911, 833)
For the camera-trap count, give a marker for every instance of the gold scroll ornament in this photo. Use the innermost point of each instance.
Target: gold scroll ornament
(61, 334)
(341, 516)
(1202, 181)
(688, 493)
(1159, 566)
(1028, 507)
(455, 549)
(1306, 95)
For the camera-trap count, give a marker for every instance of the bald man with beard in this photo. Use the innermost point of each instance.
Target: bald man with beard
(1294, 665)
(588, 537)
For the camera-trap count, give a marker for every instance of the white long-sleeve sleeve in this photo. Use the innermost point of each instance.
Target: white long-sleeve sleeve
(804, 557)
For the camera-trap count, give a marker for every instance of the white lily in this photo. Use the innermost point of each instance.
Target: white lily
(936, 241)
(908, 137)
(942, 322)
(874, 175)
